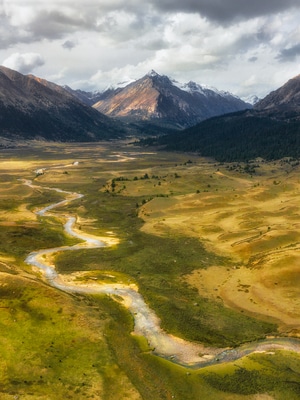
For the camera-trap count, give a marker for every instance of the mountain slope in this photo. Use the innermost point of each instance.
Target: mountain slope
(271, 130)
(284, 102)
(31, 107)
(158, 100)
(236, 137)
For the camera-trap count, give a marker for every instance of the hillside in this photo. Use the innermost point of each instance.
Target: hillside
(284, 102)
(236, 137)
(33, 108)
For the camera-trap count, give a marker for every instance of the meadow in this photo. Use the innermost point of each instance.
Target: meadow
(213, 249)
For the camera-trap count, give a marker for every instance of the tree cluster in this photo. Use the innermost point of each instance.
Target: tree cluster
(237, 137)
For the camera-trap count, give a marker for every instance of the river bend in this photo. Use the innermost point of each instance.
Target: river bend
(146, 323)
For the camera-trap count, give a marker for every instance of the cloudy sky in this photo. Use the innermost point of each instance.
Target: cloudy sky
(243, 46)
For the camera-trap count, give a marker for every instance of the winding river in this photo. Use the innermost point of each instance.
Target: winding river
(146, 323)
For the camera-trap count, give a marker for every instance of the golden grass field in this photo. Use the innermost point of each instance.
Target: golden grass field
(255, 221)
(249, 220)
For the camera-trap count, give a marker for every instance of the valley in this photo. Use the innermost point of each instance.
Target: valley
(211, 247)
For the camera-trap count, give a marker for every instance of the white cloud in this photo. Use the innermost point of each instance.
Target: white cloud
(24, 63)
(92, 44)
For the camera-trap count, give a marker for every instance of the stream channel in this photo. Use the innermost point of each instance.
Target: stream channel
(146, 323)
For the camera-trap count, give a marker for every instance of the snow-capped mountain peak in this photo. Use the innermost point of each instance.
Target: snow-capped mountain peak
(159, 99)
(205, 90)
(253, 99)
(152, 73)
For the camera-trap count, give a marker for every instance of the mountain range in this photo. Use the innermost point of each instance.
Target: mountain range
(270, 130)
(229, 129)
(156, 100)
(31, 108)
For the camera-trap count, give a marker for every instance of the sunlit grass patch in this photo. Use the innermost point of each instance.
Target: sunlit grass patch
(269, 372)
(43, 344)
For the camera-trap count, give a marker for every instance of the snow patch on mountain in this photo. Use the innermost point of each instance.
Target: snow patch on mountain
(119, 85)
(205, 90)
(252, 99)
(152, 73)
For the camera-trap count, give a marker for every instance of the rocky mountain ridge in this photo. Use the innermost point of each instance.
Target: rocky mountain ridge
(33, 108)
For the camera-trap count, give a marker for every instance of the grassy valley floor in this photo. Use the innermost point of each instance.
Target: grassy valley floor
(213, 249)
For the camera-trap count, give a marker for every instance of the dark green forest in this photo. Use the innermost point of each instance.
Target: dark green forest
(239, 136)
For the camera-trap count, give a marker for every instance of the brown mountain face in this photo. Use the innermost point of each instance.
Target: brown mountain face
(139, 99)
(157, 99)
(283, 102)
(31, 107)
(27, 91)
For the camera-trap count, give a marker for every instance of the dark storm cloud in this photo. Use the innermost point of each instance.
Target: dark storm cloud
(290, 54)
(225, 11)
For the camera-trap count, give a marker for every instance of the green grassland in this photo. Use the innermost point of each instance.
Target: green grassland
(58, 346)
